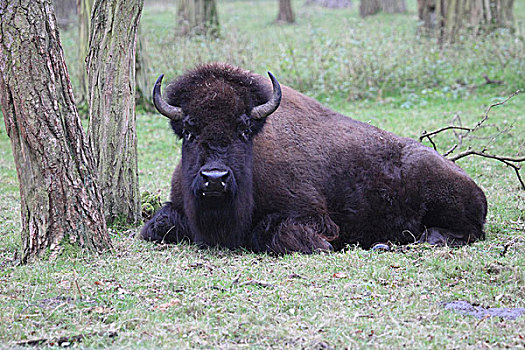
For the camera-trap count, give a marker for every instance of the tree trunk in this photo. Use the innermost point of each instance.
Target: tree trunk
(65, 11)
(426, 10)
(84, 8)
(368, 7)
(285, 14)
(371, 7)
(450, 17)
(197, 17)
(60, 203)
(112, 132)
(144, 85)
(393, 6)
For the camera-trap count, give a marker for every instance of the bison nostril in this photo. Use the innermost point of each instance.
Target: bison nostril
(214, 178)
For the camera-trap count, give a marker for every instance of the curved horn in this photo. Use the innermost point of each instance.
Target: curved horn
(264, 110)
(174, 113)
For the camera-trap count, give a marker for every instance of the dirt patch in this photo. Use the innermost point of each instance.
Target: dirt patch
(466, 308)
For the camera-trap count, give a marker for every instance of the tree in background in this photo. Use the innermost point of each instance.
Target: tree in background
(197, 17)
(371, 7)
(285, 14)
(65, 11)
(84, 8)
(60, 203)
(112, 131)
(451, 17)
(368, 7)
(143, 83)
(393, 6)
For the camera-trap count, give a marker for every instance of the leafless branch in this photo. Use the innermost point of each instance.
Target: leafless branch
(451, 149)
(506, 160)
(509, 161)
(450, 127)
(256, 283)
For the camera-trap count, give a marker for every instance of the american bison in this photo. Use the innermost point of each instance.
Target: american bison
(287, 174)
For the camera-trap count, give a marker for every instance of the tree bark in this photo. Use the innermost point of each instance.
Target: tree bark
(197, 17)
(60, 203)
(285, 14)
(84, 8)
(65, 11)
(368, 7)
(112, 131)
(450, 17)
(371, 7)
(143, 84)
(393, 6)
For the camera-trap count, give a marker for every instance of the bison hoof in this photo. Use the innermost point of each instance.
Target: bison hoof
(381, 247)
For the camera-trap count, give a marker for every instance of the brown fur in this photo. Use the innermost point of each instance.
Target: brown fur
(309, 175)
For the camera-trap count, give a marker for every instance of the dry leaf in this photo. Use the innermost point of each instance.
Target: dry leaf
(166, 306)
(340, 275)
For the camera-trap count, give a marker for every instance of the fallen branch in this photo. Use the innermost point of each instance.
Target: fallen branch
(509, 161)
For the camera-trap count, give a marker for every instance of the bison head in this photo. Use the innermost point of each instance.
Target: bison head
(217, 110)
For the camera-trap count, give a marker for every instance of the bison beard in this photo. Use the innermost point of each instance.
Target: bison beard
(290, 175)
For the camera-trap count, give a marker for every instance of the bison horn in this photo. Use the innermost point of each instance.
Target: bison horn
(264, 110)
(172, 112)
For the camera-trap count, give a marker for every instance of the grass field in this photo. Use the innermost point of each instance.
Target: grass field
(377, 70)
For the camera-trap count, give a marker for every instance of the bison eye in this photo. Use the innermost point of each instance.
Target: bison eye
(245, 134)
(188, 136)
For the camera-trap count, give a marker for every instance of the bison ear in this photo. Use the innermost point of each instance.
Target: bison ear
(177, 128)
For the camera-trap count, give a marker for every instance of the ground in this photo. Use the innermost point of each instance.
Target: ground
(377, 70)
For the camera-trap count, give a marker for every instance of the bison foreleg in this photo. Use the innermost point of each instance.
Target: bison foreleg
(166, 226)
(291, 234)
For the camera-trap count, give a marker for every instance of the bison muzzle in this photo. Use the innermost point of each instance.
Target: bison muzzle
(273, 170)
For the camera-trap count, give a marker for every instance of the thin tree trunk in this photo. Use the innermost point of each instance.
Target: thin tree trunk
(112, 131)
(451, 17)
(393, 6)
(65, 11)
(84, 8)
(60, 203)
(197, 17)
(285, 14)
(143, 83)
(368, 7)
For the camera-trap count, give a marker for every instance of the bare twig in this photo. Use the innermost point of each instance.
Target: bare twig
(507, 246)
(256, 283)
(76, 283)
(450, 150)
(483, 319)
(490, 81)
(451, 127)
(509, 161)
(506, 160)
(517, 92)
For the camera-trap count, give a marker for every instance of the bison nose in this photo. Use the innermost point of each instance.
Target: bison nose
(215, 180)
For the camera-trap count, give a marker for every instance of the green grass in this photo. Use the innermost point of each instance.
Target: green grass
(376, 70)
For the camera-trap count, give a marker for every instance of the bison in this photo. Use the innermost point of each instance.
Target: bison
(269, 169)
